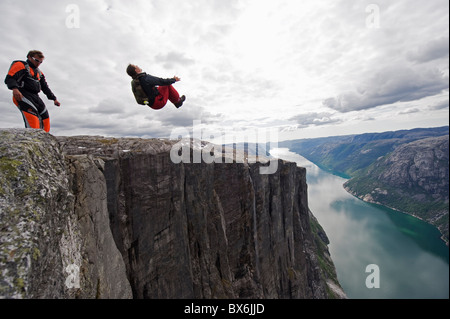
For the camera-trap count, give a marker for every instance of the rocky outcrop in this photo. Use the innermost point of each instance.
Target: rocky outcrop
(55, 240)
(414, 178)
(129, 222)
(34, 205)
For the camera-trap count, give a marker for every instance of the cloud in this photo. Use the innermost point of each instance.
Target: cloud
(171, 59)
(391, 85)
(108, 106)
(185, 116)
(440, 106)
(432, 50)
(239, 60)
(409, 111)
(315, 119)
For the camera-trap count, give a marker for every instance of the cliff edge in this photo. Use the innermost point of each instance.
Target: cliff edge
(96, 217)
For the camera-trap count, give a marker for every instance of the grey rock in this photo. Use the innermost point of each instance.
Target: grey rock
(101, 267)
(219, 230)
(414, 178)
(34, 204)
(50, 235)
(136, 224)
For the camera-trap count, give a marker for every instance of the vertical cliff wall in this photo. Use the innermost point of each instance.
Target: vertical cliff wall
(138, 225)
(55, 239)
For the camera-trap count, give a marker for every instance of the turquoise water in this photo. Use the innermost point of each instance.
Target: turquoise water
(412, 260)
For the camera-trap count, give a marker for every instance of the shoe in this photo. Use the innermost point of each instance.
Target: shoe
(180, 101)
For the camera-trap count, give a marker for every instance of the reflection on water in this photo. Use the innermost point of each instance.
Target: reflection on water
(413, 260)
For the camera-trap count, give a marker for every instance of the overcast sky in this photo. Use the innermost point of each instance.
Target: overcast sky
(304, 68)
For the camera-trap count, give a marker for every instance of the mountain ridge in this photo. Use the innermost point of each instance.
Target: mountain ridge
(412, 179)
(345, 155)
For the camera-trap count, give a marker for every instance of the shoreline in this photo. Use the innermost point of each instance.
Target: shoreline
(346, 177)
(397, 210)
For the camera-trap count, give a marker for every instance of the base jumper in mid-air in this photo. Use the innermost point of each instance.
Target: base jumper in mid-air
(153, 91)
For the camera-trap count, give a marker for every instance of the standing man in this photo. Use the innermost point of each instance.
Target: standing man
(26, 81)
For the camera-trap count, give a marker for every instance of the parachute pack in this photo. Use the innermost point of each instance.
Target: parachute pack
(36, 76)
(139, 93)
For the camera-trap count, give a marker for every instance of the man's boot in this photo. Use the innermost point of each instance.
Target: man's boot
(180, 101)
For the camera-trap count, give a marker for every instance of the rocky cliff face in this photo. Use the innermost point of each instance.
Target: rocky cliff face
(55, 239)
(94, 217)
(414, 178)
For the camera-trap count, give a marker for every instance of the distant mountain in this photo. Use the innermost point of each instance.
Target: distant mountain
(346, 155)
(406, 170)
(414, 178)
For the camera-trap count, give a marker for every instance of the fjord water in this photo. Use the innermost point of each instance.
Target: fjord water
(412, 260)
